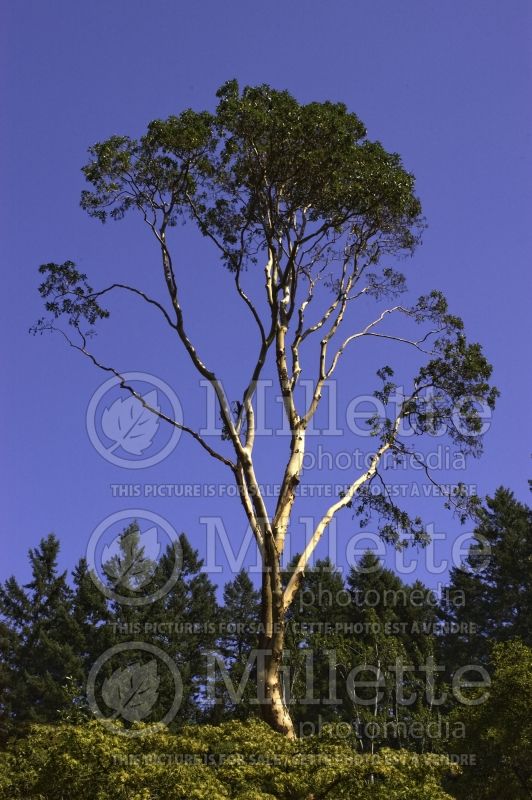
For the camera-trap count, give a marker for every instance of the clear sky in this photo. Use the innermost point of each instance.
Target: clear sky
(445, 84)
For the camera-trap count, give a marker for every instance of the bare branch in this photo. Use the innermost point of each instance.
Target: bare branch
(367, 332)
(144, 296)
(123, 383)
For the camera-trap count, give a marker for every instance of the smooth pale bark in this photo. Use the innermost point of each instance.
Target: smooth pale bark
(274, 709)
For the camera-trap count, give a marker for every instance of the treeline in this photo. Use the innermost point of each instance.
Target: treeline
(370, 658)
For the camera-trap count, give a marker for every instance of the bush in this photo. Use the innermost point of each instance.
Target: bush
(237, 761)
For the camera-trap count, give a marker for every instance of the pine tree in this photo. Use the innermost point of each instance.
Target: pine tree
(182, 623)
(237, 644)
(317, 643)
(490, 596)
(395, 640)
(39, 640)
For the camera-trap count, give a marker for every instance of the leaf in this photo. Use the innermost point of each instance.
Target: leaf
(132, 691)
(131, 567)
(130, 425)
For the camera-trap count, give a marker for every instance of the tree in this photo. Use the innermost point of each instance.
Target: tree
(317, 642)
(187, 617)
(499, 731)
(231, 672)
(301, 191)
(130, 568)
(240, 617)
(93, 616)
(180, 622)
(397, 647)
(40, 642)
(490, 595)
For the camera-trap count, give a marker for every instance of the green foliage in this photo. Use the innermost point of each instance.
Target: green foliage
(278, 157)
(52, 634)
(243, 172)
(181, 623)
(458, 377)
(67, 293)
(158, 172)
(316, 641)
(490, 596)
(237, 638)
(130, 568)
(39, 642)
(241, 761)
(499, 731)
(242, 175)
(489, 617)
(374, 628)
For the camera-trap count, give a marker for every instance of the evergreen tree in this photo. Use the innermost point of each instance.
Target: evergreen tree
(39, 642)
(490, 595)
(499, 730)
(92, 612)
(317, 643)
(237, 645)
(130, 569)
(182, 622)
(395, 640)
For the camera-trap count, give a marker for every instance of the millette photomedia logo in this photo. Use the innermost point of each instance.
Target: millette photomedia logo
(124, 687)
(130, 425)
(134, 557)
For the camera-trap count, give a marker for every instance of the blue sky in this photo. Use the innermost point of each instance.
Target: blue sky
(447, 85)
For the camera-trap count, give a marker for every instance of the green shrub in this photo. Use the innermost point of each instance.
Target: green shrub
(233, 761)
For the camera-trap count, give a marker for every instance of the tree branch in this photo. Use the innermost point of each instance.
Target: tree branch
(293, 583)
(123, 384)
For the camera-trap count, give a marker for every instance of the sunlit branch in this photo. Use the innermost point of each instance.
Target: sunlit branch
(331, 512)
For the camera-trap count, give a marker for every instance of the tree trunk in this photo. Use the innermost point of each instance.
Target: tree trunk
(274, 709)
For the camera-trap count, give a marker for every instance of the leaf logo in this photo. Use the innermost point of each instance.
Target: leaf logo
(131, 566)
(130, 425)
(132, 691)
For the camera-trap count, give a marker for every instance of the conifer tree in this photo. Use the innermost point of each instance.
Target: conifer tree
(237, 647)
(396, 643)
(182, 622)
(40, 637)
(490, 595)
(317, 643)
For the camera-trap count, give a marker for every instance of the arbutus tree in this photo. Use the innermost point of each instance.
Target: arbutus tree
(299, 192)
